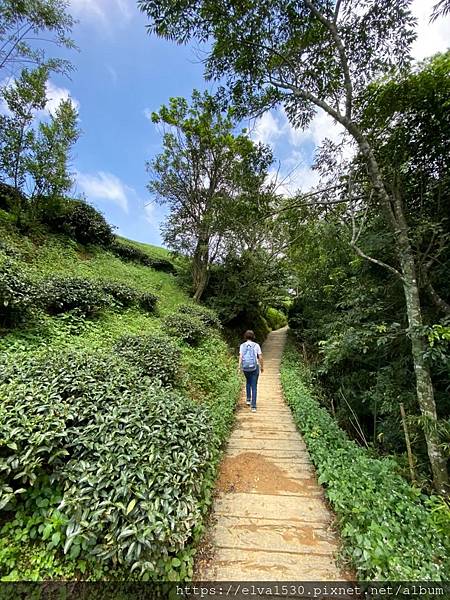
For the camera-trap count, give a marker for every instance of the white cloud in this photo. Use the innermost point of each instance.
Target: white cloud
(103, 12)
(274, 128)
(431, 37)
(55, 95)
(105, 187)
(322, 126)
(295, 174)
(267, 129)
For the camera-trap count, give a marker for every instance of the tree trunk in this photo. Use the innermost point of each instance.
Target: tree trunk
(424, 386)
(200, 264)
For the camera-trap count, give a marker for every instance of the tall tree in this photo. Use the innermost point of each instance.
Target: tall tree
(207, 176)
(26, 26)
(24, 99)
(35, 147)
(310, 55)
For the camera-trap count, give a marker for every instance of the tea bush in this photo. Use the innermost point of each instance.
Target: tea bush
(147, 301)
(11, 199)
(155, 355)
(9, 251)
(126, 296)
(208, 316)
(128, 252)
(61, 294)
(188, 328)
(81, 221)
(130, 457)
(387, 531)
(29, 541)
(123, 294)
(18, 293)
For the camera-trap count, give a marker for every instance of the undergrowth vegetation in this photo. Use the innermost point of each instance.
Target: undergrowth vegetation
(112, 422)
(389, 529)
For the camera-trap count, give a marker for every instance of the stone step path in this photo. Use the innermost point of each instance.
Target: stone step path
(270, 521)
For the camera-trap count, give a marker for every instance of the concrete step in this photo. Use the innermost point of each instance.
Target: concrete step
(295, 509)
(261, 534)
(234, 564)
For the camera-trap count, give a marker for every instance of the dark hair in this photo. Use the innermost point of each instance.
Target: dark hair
(249, 335)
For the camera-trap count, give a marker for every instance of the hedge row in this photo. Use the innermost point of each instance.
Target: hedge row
(128, 252)
(19, 294)
(80, 221)
(275, 318)
(156, 355)
(387, 527)
(83, 223)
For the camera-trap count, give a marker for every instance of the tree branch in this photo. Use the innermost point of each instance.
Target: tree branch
(306, 95)
(439, 302)
(356, 234)
(336, 11)
(331, 26)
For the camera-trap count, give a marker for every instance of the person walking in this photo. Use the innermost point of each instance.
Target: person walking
(251, 363)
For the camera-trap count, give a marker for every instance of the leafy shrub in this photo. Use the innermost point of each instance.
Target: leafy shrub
(131, 253)
(162, 264)
(147, 301)
(29, 541)
(130, 457)
(80, 221)
(190, 329)
(123, 294)
(381, 517)
(156, 355)
(10, 198)
(254, 321)
(8, 250)
(18, 293)
(275, 318)
(61, 294)
(128, 252)
(296, 318)
(212, 378)
(208, 316)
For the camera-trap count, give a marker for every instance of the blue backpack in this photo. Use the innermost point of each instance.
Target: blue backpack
(249, 359)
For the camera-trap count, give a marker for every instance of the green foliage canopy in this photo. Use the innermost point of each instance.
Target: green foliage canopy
(23, 23)
(207, 176)
(35, 152)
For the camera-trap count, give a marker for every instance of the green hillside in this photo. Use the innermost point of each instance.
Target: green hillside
(52, 254)
(113, 412)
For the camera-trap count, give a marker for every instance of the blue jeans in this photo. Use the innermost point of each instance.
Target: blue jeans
(252, 382)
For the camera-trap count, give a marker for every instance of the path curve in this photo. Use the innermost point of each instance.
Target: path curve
(270, 521)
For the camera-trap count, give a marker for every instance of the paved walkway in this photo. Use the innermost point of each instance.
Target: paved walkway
(270, 522)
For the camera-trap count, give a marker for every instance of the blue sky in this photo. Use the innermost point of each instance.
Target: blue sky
(122, 74)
